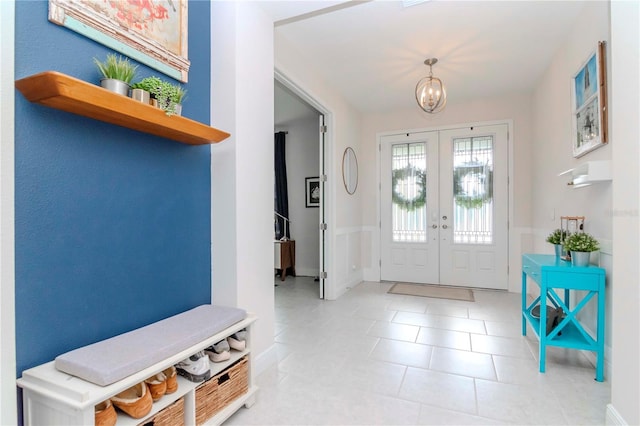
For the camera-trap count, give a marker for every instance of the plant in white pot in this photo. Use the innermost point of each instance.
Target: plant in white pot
(177, 97)
(580, 245)
(117, 73)
(164, 95)
(556, 238)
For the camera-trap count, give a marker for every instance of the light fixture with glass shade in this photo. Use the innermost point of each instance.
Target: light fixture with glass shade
(430, 92)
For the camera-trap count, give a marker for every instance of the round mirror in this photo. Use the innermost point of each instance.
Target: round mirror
(350, 170)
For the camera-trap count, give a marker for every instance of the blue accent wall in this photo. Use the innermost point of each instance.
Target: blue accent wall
(112, 225)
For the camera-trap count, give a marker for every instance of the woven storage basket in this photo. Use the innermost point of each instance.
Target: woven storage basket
(173, 415)
(217, 392)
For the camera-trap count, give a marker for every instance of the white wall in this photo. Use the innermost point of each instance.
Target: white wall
(302, 151)
(7, 255)
(551, 197)
(515, 108)
(344, 215)
(625, 135)
(242, 166)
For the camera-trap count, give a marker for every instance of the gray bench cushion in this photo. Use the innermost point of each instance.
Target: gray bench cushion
(110, 360)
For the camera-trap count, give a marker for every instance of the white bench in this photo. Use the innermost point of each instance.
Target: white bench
(66, 390)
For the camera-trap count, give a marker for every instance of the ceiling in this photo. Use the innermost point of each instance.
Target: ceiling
(372, 52)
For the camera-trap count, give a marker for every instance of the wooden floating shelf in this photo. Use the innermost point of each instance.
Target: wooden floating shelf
(60, 91)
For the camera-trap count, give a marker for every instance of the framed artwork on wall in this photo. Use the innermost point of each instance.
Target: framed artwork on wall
(589, 104)
(312, 192)
(153, 32)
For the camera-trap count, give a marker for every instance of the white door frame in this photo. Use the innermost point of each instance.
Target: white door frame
(379, 135)
(329, 187)
(8, 412)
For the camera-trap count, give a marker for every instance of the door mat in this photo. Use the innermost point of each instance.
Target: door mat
(431, 290)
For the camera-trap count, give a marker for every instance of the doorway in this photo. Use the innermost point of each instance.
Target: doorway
(300, 118)
(444, 207)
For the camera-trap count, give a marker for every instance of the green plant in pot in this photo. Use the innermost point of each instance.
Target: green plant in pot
(165, 94)
(580, 245)
(556, 238)
(178, 96)
(117, 73)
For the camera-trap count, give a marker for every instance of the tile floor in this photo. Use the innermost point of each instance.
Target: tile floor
(376, 358)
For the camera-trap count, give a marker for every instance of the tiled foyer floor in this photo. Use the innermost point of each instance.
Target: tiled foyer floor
(375, 358)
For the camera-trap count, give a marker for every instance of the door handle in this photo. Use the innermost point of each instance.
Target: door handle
(444, 226)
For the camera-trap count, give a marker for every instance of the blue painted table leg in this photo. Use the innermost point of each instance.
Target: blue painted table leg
(543, 327)
(524, 303)
(601, 325)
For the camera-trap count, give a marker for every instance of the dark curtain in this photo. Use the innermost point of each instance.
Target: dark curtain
(281, 193)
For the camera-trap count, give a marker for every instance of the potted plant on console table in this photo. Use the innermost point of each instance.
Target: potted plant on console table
(556, 238)
(580, 245)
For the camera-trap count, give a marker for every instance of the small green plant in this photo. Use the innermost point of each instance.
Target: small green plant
(116, 67)
(166, 94)
(581, 241)
(149, 84)
(558, 236)
(179, 95)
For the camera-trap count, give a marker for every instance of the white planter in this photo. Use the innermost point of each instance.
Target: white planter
(116, 86)
(140, 95)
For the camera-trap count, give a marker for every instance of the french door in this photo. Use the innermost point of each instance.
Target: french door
(444, 207)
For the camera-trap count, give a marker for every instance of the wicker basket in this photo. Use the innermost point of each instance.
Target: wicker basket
(217, 392)
(173, 415)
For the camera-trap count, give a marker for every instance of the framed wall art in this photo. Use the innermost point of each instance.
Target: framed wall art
(312, 192)
(153, 32)
(589, 104)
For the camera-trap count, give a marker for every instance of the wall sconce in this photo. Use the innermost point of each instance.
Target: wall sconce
(430, 92)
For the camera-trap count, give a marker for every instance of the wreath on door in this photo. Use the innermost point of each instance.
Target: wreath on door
(420, 178)
(482, 186)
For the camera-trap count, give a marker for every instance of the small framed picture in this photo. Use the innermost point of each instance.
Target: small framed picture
(589, 104)
(312, 192)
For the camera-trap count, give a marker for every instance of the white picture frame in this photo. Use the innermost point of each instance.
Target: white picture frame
(589, 104)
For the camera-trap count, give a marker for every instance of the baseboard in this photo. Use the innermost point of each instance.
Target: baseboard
(613, 418)
(264, 360)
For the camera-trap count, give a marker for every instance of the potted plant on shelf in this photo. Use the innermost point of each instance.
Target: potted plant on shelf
(177, 97)
(556, 238)
(140, 91)
(117, 73)
(164, 95)
(580, 245)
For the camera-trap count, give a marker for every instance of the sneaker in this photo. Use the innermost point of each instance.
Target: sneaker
(238, 341)
(195, 368)
(218, 352)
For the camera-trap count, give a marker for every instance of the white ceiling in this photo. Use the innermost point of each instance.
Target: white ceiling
(373, 52)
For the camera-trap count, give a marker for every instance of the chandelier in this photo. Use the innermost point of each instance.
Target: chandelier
(430, 92)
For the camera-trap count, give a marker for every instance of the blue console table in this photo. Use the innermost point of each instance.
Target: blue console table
(550, 273)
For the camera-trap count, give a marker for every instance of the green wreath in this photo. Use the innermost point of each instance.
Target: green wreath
(472, 201)
(399, 199)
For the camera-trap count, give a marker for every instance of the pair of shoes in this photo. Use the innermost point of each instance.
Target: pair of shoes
(105, 414)
(238, 341)
(195, 368)
(135, 401)
(219, 352)
(163, 383)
